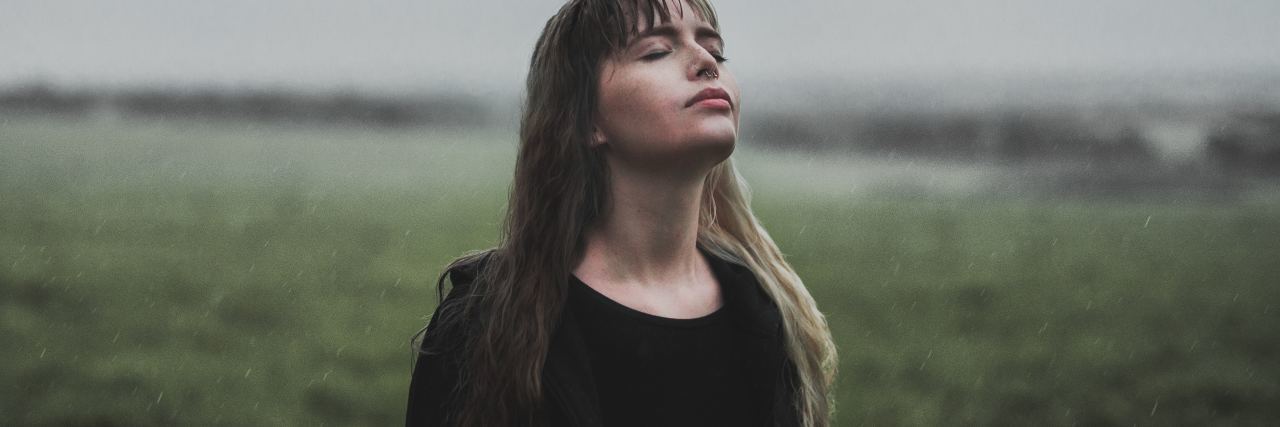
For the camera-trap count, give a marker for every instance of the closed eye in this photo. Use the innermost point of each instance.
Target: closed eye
(656, 55)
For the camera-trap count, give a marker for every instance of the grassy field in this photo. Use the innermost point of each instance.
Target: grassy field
(177, 273)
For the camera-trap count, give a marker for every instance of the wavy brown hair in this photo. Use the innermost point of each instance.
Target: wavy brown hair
(559, 189)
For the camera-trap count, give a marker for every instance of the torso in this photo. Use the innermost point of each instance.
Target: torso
(651, 369)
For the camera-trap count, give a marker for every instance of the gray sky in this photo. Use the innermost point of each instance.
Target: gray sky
(483, 46)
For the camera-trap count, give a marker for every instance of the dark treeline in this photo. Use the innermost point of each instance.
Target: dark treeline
(1001, 135)
(255, 105)
(1245, 142)
(1242, 142)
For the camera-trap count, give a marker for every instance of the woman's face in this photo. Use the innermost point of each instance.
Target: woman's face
(646, 118)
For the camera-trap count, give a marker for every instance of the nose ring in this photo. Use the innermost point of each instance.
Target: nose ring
(709, 73)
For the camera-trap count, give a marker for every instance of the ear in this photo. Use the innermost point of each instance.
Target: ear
(598, 138)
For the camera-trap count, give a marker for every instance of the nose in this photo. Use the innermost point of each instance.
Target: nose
(704, 65)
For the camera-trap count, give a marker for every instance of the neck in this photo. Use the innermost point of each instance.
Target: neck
(649, 233)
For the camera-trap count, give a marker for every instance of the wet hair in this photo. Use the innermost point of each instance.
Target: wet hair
(560, 187)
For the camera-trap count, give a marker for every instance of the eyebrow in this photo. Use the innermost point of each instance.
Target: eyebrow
(669, 30)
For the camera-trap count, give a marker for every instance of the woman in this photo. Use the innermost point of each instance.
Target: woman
(632, 285)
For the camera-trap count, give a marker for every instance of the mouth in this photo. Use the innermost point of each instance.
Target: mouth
(711, 97)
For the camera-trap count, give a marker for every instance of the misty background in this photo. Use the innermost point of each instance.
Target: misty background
(1011, 212)
(483, 47)
(815, 74)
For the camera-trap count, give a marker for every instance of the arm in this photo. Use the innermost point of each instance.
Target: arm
(435, 377)
(434, 383)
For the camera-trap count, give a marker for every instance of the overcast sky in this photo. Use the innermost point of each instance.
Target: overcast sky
(483, 46)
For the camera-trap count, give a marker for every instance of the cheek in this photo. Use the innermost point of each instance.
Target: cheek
(633, 107)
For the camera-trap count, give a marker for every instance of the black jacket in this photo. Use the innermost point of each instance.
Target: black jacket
(567, 380)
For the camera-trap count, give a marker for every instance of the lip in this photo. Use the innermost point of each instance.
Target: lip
(710, 93)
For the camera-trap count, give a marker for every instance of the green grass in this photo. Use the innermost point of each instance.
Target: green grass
(161, 273)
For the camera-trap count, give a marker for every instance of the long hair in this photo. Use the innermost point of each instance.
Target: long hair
(560, 187)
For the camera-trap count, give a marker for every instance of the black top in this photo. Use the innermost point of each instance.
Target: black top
(652, 370)
(574, 393)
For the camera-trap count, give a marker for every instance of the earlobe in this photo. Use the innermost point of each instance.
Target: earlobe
(597, 138)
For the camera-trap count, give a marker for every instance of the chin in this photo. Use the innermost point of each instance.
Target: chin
(714, 134)
(715, 147)
(703, 148)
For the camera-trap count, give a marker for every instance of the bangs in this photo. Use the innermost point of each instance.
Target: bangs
(622, 20)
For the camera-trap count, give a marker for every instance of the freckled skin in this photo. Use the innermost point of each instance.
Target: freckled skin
(642, 119)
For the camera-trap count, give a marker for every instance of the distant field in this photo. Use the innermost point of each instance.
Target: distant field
(180, 273)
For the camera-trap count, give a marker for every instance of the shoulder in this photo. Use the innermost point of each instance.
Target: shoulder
(729, 266)
(743, 288)
(453, 312)
(464, 272)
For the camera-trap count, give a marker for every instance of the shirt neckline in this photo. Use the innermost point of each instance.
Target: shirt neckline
(618, 307)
